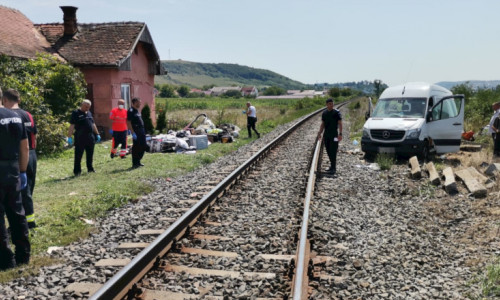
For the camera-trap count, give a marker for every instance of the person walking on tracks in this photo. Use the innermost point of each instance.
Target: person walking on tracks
(14, 152)
(136, 126)
(251, 120)
(119, 127)
(331, 125)
(82, 123)
(11, 100)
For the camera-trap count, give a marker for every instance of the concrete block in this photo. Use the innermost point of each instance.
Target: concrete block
(416, 173)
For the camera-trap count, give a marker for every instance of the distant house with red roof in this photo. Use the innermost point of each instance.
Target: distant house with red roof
(249, 91)
(119, 59)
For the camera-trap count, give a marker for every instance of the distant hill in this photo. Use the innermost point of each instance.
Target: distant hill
(196, 75)
(484, 84)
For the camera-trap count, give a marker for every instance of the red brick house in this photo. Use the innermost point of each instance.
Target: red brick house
(119, 59)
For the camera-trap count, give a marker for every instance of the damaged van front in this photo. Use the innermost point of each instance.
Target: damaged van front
(414, 119)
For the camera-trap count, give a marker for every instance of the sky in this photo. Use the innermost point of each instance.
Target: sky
(312, 41)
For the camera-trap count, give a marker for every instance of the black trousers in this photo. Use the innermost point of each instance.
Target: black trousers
(12, 206)
(119, 138)
(251, 125)
(331, 149)
(139, 147)
(496, 144)
(82, 145)
(27, 193)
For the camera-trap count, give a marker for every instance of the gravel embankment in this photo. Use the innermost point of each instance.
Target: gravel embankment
(395, 238)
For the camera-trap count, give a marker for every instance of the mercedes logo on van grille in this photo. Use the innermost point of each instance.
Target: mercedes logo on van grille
(386, 134)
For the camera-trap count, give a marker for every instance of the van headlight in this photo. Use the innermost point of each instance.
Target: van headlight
(366, 133)
(413, 134)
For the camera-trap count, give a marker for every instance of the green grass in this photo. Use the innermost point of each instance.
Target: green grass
(385, 161)
(491, 282)
(63, 202)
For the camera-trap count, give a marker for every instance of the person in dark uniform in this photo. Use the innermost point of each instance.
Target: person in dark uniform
(11, 101)
(136, 127)
(331, 124)
(14, 152)
(84, 127)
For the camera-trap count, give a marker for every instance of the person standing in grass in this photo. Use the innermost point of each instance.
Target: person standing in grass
(136, 126)
(119, 127)
(251, 120)
(14, 152)
(11, 100)
(82, 123)
(331, 124)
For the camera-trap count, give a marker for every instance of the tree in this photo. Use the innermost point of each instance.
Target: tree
(161, 122)
(183, 90)
(378, 87)
(146, 118)
(334, 92)
(274, 91)
(46, 86)
(232, 94)
(64, 89)
(346, 92)
(167, 91)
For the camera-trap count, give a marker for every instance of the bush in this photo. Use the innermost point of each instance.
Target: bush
(385, 161)
(49, 90)
(274, 91)
(167, 91)
(161, 123)
(232, 94)
(146, 117)
(183, 90)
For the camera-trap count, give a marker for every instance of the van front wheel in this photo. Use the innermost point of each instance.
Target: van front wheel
(425, 153)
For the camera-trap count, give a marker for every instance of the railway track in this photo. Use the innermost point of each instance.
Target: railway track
(242, 239)
(369, 236)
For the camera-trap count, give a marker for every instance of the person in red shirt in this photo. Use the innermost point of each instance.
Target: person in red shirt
(119, 127)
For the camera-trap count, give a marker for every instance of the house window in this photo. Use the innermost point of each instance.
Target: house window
(125, 89)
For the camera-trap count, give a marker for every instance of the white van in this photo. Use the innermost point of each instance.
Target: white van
(415, 119)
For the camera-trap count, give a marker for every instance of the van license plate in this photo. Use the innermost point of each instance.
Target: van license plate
(386, 150)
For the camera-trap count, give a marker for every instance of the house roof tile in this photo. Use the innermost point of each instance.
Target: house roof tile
(18, 36)
(103, 44)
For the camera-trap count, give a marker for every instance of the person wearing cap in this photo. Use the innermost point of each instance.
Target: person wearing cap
(331, 125)
(119, 117)
(82, 124)
(11, 100)
(14, 155)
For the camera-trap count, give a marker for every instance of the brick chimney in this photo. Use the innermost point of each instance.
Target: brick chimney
(70, 27)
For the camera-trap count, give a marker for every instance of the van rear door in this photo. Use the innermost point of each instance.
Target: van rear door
(445, 123)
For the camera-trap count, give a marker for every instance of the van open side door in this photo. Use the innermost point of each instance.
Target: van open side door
(445, 123)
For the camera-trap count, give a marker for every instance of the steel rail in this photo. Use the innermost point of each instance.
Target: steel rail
(299, 284)
(119, 285)
(300, 272)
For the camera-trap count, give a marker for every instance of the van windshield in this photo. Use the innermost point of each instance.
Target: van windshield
(400, 108)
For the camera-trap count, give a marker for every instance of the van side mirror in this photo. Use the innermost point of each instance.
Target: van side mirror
(367, 115)
(428, 117)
